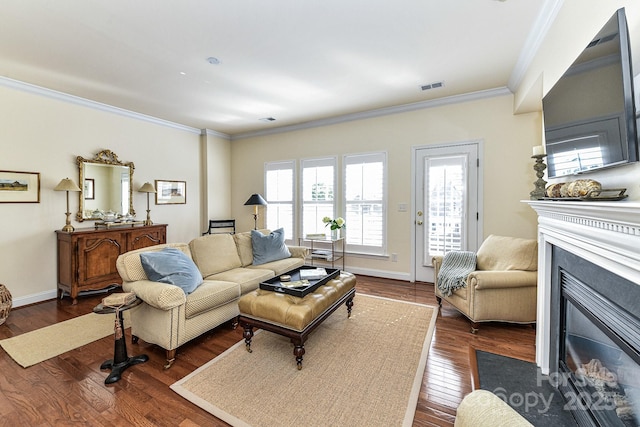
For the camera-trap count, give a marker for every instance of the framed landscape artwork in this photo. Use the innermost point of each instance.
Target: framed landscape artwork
(171, 192)
(19, 187)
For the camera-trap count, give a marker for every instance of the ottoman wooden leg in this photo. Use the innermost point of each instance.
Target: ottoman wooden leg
(298, 352)
(248, 334)
(349, 306)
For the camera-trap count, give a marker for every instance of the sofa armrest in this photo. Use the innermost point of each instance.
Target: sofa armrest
(502, 279)
(436, 262)
(482, 408)
(298, 251)
(159, 295)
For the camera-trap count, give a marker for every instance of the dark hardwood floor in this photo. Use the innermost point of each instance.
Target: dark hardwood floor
(69, 389)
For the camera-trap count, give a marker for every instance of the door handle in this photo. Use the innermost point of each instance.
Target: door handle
(419, 222)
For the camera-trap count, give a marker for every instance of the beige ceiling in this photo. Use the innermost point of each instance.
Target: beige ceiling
(297, 61)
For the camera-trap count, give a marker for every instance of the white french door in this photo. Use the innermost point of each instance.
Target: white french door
(447, 202)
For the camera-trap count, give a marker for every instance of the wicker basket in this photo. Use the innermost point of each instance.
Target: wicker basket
(5, 303)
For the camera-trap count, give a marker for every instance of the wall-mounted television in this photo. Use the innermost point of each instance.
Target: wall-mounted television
(589, 114)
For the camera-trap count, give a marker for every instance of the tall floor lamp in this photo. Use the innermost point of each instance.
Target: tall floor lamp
(67, 185)
(255, 200)
(147, 188)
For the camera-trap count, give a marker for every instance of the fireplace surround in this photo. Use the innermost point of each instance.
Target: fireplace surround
(589, 262)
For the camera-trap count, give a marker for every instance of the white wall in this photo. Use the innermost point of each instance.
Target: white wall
(44, 134)
(508, 178)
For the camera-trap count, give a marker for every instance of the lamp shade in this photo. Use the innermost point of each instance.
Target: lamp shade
(255, 200)
(147, 188)
(66, 185)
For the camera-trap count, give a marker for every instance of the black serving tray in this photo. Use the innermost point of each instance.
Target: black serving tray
(275, 284)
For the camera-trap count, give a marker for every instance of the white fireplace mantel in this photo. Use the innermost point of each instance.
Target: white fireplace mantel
(604, 233)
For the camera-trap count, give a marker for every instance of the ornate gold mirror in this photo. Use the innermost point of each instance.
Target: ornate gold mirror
(106, 186)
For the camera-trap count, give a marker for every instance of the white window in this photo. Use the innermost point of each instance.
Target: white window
(279, 194)
(365, 202)
(318, 193)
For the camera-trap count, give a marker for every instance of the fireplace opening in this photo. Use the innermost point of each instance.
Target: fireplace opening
(599, 352)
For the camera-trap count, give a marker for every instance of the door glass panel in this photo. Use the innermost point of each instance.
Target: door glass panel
(446, 204)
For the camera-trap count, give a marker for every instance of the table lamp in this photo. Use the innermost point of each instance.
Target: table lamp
(147, 188)
(67, 185)
(255, 200)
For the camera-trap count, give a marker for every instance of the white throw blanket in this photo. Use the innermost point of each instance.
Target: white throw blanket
(456, 266)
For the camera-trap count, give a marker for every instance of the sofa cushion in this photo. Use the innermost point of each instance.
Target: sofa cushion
(270, 247)
(214, 253)
(245, 248)
(172, 266)
(508, 253)
(129, 265)
(247, 278)
(210, 295)
(280, 266)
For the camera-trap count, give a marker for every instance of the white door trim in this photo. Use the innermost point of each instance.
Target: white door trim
(480, 178)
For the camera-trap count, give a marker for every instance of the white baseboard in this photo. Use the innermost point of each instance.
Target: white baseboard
(34, 298)
(385, 274)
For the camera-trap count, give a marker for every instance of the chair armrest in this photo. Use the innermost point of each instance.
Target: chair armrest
(484, 279)
(298, 251)
(159, 295)
(436, 261)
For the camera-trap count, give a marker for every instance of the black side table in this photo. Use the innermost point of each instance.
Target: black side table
(121, 360)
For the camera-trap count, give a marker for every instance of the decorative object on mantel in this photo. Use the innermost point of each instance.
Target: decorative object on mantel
(147, 188)
(5, 303)
(67, 185)
(583, 190)
(539, 166)
(255, 200)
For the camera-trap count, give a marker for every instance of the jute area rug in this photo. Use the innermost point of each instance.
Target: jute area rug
(360, 371)
(37, 346)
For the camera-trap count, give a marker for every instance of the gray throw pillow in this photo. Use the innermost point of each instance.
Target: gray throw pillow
(172, 266)
(268, 248)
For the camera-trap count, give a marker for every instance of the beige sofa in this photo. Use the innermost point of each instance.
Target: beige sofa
(169, 318)
(481, 408)
(502, 288)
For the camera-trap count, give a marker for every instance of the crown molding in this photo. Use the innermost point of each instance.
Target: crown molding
(456, 99)
(76, 100)
(537, 34)
(215, 133)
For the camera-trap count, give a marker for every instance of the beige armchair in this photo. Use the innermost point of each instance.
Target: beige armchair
(503, 286)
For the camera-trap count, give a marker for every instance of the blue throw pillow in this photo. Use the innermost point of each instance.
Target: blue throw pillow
(270, 247)
(172, 266)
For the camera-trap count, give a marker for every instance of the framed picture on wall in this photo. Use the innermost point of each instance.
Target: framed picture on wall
(89, 189)
(19, 187)
(171, 192)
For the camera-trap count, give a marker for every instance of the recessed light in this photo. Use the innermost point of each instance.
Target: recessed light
(213, 60)
(182, 73)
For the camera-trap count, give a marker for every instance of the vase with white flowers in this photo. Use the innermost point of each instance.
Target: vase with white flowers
(336, 225)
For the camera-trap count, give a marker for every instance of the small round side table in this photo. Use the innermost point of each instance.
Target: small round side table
(121, 360)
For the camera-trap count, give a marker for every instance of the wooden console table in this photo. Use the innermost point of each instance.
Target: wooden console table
(87, 257)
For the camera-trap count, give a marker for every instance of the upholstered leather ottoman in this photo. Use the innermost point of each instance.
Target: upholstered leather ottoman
(294, 317)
